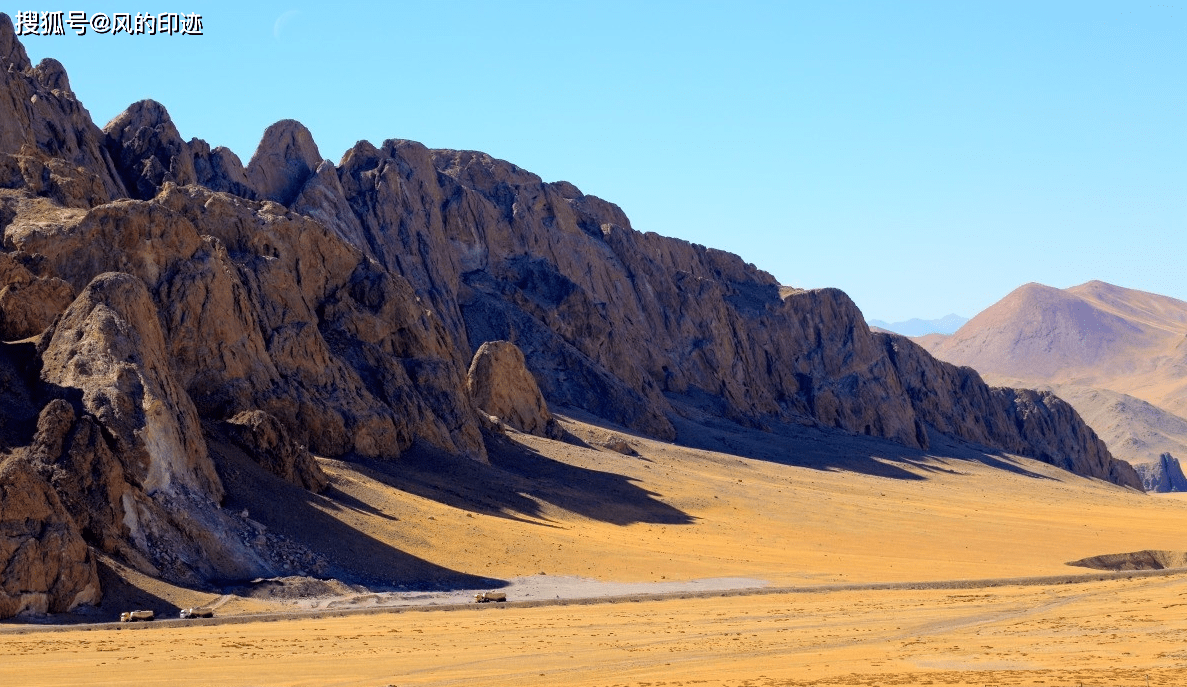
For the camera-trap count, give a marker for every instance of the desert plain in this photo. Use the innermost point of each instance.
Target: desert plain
(743, 557)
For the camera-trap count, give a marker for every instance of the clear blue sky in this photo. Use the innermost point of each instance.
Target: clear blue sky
(926, 157)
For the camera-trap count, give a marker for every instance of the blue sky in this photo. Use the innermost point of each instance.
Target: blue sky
(925, 157)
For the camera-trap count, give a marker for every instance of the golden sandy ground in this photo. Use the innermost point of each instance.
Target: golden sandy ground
(797, 510)
(1102, 633)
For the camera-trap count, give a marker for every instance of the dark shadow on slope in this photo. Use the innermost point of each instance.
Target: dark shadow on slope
(803, 447)
(517, 479)
(19, 369)
(947, 446)
(120, 596)
(351, 556)
(834, 450)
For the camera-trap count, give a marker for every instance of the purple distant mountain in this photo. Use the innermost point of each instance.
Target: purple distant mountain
(947, 324)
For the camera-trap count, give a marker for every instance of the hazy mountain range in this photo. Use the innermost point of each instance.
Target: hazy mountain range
(917, 327)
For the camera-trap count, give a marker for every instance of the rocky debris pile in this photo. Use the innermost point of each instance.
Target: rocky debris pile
(501, 385)
(1136, 560)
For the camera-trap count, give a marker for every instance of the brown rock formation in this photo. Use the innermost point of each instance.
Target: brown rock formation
(501, 385)
(294, 303)
(147, 149)
(284, 160)
(955, 401)
(135, 463)
(45, 566)
(47, 138)
(29, 300)
(267, 442)
(220, 169)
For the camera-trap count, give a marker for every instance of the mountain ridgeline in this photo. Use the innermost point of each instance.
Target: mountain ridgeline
(160, 297)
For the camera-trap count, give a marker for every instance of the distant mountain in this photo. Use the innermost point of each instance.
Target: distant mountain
(1094, 335)
(947, 324)
(1118, 355)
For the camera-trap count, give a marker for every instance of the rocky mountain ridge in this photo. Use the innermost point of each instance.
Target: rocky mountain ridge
(159, 295)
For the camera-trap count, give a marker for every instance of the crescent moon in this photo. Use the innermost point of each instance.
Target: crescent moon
(283, 19)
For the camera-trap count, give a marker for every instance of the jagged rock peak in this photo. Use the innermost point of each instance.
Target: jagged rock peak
(220, 169)
(285, 159)
(479, 170)
(146, 112)
(1165, 475)
(52, 74)
(148, 150)
(12, 53)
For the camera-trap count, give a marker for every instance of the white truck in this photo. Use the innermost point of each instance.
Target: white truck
(136, 616)
(487, 597)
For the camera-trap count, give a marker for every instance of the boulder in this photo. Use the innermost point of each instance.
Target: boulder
(500, 385)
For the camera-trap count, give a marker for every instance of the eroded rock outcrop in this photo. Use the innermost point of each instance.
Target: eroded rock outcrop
(501, 385)
(283, 162)
(148, 150)
(265, 309)
(29, 298)
(47, 139)
(955, 401)
(267, 442)
(1164, 475)
(45, 566)
(134, 465)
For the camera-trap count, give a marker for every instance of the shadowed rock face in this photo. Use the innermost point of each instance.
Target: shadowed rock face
(296, 303)
(147, 149)
(284, 161)
(1165, 475)
(47, 565)
(267, 442)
